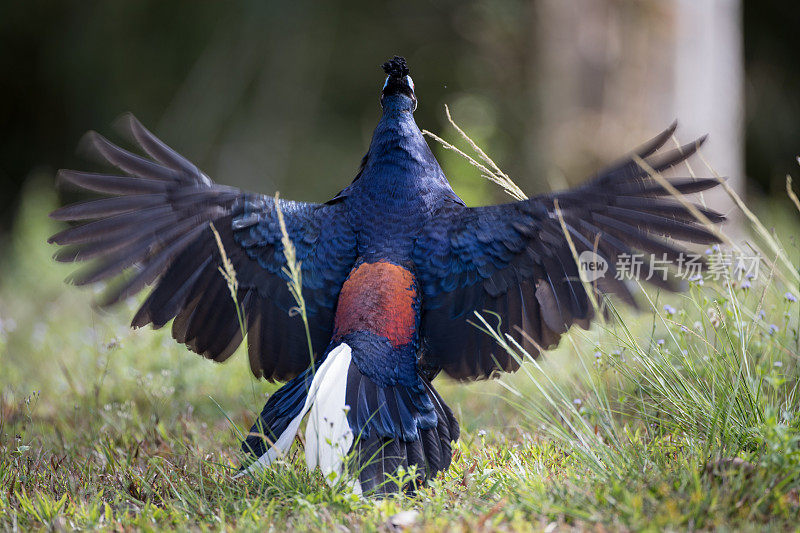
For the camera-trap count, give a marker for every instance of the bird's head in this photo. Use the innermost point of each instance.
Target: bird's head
(398, 90)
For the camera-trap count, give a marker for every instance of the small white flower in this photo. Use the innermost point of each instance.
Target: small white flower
(778, 364)
(697, 279)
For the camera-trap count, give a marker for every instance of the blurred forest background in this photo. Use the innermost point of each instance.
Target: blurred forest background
(284, 95)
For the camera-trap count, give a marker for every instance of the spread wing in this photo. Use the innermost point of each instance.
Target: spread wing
(154, 229)
(514, 259)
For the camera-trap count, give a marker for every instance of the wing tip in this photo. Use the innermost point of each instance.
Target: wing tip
(670, 130)
(93, 147)
(131, 127)
(63, 178)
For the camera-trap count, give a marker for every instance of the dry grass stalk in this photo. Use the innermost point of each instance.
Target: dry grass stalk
(293, 270)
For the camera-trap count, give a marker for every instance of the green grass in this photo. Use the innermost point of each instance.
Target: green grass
(102, 427)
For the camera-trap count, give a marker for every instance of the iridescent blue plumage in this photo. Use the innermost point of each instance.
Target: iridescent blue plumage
(393, 269)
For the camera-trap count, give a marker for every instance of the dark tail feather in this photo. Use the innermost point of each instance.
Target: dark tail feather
(398, 426)
(281, 408)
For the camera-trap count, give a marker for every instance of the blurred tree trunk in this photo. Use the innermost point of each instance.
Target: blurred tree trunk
(615, 72)
(708, 86)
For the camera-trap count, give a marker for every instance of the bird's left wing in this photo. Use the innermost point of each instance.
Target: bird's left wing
(155, 228)
(515, 260)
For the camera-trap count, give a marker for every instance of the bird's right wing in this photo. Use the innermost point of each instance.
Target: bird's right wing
(154, 228)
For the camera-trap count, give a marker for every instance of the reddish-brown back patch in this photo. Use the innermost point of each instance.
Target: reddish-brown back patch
(378, 297)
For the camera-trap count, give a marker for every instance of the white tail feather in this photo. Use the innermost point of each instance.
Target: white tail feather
(328, 434)
(284, 441)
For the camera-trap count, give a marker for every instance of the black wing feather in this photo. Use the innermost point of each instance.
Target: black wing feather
(154, 229)
(514, 259)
